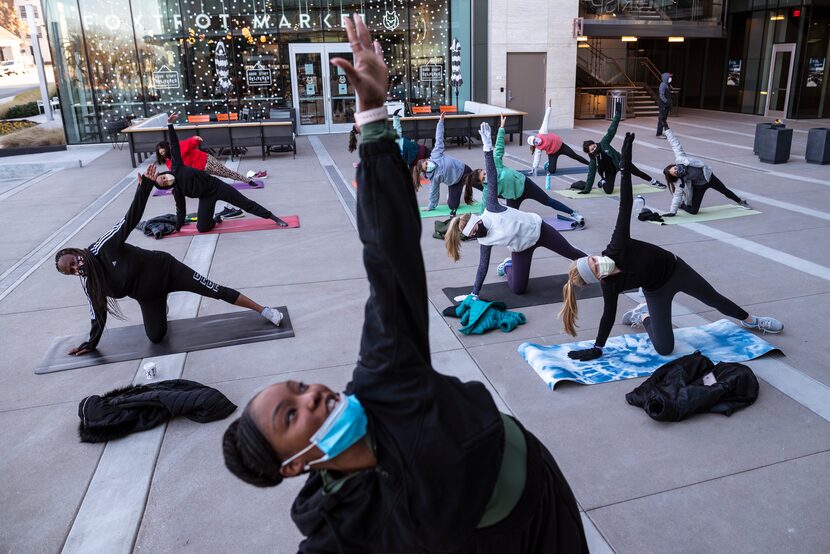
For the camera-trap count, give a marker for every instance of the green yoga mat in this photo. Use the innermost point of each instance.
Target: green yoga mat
(597, 191)
(710, 213)
(444, 211)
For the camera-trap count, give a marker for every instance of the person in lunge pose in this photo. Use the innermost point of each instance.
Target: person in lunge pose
(606, 161)
(110, 268)
(412, 151)
(520, 232)
(515, 187)
(552, 145)
(626, 264)
(690, 178)
(406, 459)
(442, 169)
(194, 183)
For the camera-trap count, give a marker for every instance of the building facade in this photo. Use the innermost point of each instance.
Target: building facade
(119, 59)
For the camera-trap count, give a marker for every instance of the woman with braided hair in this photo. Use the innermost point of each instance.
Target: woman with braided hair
(406, 459)
(110, 269)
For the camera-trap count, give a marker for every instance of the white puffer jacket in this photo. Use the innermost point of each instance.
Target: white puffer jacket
(682, 193)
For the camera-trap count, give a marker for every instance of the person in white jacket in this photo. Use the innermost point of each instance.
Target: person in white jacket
(689, 179)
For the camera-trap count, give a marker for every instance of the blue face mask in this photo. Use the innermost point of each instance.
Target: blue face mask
(344, 426)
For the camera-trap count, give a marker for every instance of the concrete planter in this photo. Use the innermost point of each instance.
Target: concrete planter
(818, 146)
(774, 145)
(4, 152)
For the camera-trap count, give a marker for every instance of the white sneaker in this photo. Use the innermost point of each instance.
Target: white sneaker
(765, 325)
(634, 317)
(503, 266)
(274, 315)
(579, 218)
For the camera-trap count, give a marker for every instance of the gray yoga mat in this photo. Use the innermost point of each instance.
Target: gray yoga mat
(540, 291)
(120, 344)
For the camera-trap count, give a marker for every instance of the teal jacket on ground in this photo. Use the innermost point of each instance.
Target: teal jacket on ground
(607, 150)
(480, 316)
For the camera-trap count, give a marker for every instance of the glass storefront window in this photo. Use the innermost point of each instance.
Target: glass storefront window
(654, 11)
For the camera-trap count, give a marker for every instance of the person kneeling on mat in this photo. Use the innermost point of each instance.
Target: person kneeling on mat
(110, 269)
(606, 161)
(515, 187)
(520, 232)
(406, 459)
(188, 182)
(443, 169)
(627, 264)
(690, 178)
(552, 145)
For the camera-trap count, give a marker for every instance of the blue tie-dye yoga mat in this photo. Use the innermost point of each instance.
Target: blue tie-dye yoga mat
(631, 356)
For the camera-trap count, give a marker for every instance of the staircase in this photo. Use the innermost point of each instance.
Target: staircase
(641, 103)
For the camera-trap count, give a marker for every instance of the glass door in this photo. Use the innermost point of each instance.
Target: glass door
(780, 75)
(324, 98)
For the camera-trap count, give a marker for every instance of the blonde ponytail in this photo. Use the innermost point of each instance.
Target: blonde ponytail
(452, 238)
(570, 311)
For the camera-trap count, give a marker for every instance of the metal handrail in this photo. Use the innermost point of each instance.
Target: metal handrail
(604, 58)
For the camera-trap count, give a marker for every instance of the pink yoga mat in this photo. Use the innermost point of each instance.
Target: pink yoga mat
(239, 226)
(236, 184)
(560, 224)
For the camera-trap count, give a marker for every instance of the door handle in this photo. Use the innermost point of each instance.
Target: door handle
(509, 95)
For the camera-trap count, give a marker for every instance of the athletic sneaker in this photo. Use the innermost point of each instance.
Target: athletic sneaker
(579, 218)
(765, 325)
(743, 204)
(257, 175)
(658, 184)
(635, 316)
(273, 315)
(661, 137)
(231, 213)
(502, 269)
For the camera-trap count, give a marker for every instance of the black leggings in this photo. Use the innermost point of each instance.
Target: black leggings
(608, 187)
(226, 193)
(683, 279)
(567, 151)
(454, 191)
(179, 278)
(532, 191)
(519, 273)
(699, 190)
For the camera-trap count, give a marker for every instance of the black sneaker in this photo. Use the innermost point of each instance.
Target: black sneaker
(231, 213)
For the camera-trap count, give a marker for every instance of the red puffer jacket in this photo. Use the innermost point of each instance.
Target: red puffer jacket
(191, 155)
(550, 143)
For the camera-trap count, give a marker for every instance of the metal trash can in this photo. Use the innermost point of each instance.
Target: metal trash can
(612, 98)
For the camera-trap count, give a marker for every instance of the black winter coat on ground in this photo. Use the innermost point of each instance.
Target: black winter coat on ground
(158, 226)
(676, 390)
(140, 407)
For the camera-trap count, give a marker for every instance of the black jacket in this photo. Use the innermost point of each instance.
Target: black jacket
(140, 407)
(438, 441)
(676, 390)
(190, 182)
(158, 226)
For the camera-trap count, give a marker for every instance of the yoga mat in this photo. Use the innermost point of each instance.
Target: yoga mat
(632, 356)
(561, 223)
(709, 213)
(598, 192)
(559, 171)
(120, 344)
(540, 291)
(239, 226)
(236, 184)
(443, 211)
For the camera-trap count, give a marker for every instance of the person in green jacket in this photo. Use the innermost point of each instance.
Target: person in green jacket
(516, 187)
(606, 161)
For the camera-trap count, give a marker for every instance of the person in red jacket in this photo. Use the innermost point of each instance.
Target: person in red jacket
(197, 158)
(553, 146)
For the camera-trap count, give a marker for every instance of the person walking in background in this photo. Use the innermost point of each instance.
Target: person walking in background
(664, 103)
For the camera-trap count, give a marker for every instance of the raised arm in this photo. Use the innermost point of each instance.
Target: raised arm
(483, 266)
(438, 149)
(175, 149)
(117, 236)
(615, 122)
(498, 151)
(396, 124)
(492, 198)
(680, 156)
(395, 339)
(543, 129)
(622, 230)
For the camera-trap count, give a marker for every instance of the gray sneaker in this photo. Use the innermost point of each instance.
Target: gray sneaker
(765, 325)
(273, 315)
(634, 317)
(743, 204)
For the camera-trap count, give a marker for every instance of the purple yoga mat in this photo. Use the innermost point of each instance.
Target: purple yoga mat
(560, 223)
(236, 184)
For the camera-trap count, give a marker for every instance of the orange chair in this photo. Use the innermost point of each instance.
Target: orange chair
(224, 117)
(198, 119)
(448, 109)
(421, 109)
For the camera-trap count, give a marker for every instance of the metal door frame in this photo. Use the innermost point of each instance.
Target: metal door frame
(324, 50)
(777, 48)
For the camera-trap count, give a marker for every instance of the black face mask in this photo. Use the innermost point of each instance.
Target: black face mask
(81, 267)
(481, 231)
(681, 170)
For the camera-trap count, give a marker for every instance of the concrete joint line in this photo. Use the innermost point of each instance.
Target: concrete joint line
(338, 182)
(113, 506)
(28, 183)
(19, 272)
